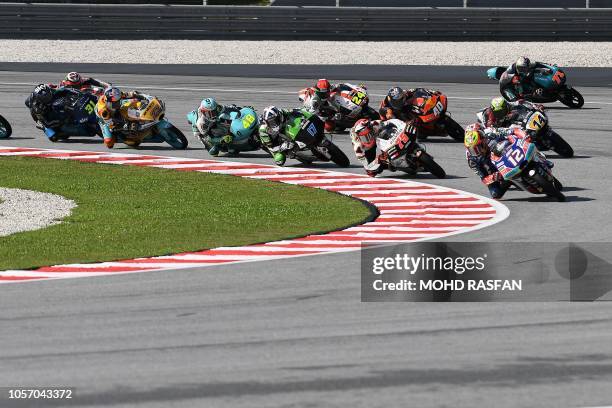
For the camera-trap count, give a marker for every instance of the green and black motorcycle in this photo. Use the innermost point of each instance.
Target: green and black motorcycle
(306, 131)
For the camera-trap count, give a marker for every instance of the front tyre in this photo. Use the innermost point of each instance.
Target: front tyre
(571, 98)
(338, 156)
(559, 145)
(175, 138)
(549, 188)
(5, 128)
(454, 129)
(431, 166)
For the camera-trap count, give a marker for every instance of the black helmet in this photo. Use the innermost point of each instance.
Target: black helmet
(42, 95)
(396, 97)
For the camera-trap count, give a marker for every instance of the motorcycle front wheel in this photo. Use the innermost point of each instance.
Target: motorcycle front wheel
(175, 138)
(454, 129)
(431, 166)
(559, 145)
(5, 128)
(337, 155)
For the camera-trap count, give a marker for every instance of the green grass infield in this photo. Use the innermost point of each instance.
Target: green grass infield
(127, 212)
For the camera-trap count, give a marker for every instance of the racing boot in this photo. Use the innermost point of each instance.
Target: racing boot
(110, 141)
(279, 158)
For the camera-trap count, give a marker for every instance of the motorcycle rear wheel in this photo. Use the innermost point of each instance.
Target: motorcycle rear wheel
(5, 128)
(431, 166)
(571, 98)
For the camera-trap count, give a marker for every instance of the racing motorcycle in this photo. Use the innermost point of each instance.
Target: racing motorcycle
(402, 152)
(536, 123)
(80, 119)
(5, 128)
(145, 122)
(430, 108)
(348, 103)
(520, 163)
(306, 133)
(552, 80)
(243, 127)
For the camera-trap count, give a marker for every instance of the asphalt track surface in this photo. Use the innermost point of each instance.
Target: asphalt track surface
(293, 333)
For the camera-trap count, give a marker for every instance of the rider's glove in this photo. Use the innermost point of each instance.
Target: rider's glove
(227, 139)
(286, 146)
(492, 178)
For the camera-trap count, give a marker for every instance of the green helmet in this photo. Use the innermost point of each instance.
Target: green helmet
(499, 106)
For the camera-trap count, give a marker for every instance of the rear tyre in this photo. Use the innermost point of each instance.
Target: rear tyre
(454, 129)
(338, 156)
(431, 166)
(5, 128)
(571, 98)
(559, 145)
(175, 138)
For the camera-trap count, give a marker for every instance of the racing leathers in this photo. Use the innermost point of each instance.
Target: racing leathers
(111, 120)
(514, 85)
(488, 118)
(408, 109)
(275, 139)
(86, 82)
(331, 109)
(58, 112)
(214, 133)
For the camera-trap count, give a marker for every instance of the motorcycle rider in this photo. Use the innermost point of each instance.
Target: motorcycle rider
(364, 134)
(501, 113)
(323, 105)
(77, 81)
(518, 79)
(211, 125)
(52, 108)
(109, 114)
(272, 133)
(478, 146)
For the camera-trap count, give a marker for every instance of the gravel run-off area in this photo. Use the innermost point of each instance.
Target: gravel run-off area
(569, 54)
(25, 210)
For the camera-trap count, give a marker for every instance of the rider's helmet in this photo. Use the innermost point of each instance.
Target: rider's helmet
(73, 79)
(474, 140)
(112, 97)
(499, 107)
(396, 97)
(40, 99)
(209, 108)
(322, 88)
(522, 65)
(273, 118)
(42, 94)
(363, 131)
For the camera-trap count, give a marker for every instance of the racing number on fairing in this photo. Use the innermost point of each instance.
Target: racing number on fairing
(438, 108)
(358, 97)
(515, 157)
(536, 122)
(248, 121)
(90, 107)
(558, 77)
